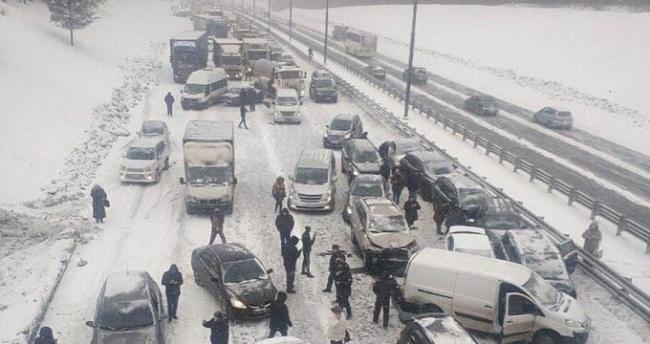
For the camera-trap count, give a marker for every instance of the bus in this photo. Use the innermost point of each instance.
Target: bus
(360, 43)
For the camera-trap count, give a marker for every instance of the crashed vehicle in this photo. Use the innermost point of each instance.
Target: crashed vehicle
(434, 328)
(425, 167)
(343, 127)
(462, 195)
(130, 309)
(359, 156)
(231, 97)
(236, 276)
(380, 231)
(365, 185)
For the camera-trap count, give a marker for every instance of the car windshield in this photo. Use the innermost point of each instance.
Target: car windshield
(366, 156)
(471, 196)
(323, 83)
(501, 222)
(152, 130)
(194, 89)
(124, 315)
(436, 167)
(201, 175)
(243, 270)
(230, 60)
(137, 153)
(287, 101)
(564, 114)
(311, 175)
(341, 124)
(367, 190)
(542, 291)
(386, 224)
(290, 74)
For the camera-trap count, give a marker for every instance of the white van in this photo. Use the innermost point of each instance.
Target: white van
(203, 88)
(313, 184)
(144, 160)
(286, 106)
(491, 296)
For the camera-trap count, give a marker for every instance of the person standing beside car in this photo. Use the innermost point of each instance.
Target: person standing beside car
(343, 280)
(397, 184)
(172, 279)
(169, 100)
(216, 223)
(219, 328)
(100, 202)
(383, 288)
(411, 208)
(412, 183)
(284, 223)
(335, 253)
(290, 254)
(280, 320)
(279, 192)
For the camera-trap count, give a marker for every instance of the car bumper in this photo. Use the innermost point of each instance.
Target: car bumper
(296, 204)
(138, 177)
(208, 204)
(328, 143)
(191, 104)
(391, 260)
(251, 313)
(287, 119)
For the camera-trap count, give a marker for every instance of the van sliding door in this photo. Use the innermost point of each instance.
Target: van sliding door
(474, 302)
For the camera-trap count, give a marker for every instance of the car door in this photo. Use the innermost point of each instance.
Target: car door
(211, 278)
(361, 230)
(519, 319)
(413, 334)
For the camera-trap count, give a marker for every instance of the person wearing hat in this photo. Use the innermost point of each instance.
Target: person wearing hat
(334, 253)
(383, 288)
(343, 282)
(284, 223)
(216, 220)
(337, 331)
(308, 241)
(593, 236)
(219, 328)
(172, 279)
(280, 319)
(290, 254)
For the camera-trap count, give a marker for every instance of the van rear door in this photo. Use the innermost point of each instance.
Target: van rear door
(474, 303)
(519, 319)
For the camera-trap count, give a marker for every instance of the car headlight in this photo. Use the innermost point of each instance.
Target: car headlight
(573, 324)
(237, 304)
(327, 196)
(355, 172)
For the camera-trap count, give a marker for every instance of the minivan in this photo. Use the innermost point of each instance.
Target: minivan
(286, 106)
(491, 296)
(313, 183)
(144, 160)
(203, 88)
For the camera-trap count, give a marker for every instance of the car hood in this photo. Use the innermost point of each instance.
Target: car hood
(253, 292)
(287, 108)
(311, 189)
(331, 132)
(367, 167)
(145, 335)
(391, 240)
(137, 163)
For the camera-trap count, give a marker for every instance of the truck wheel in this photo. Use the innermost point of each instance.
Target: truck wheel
(546, 337)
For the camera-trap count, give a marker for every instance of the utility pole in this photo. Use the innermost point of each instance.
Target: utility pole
(269, 15)
(327, 22)
(254, 12)
(290, 20)
(409, 73)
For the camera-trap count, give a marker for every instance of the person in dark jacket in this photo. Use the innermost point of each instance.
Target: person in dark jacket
(172, 279)
(284, 223)
(397, 184)
(290, 254)
(278, 192)
(100, 201)
(383, 149)
(242, 114)
(216, 222)
(383, 288)
(334, 254)
(440, 213)
(169, 100)
(280, 320)
(343, 280)
(411, 208)
(243, 96)
(45, 336)
(219, 328)
(308, 239)
(252, 99)
(412, 183)
(384, 171)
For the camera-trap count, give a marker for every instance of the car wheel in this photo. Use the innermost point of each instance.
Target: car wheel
(546, 337)
(197, 280)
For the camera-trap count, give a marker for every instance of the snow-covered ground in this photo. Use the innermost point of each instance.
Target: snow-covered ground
(593, 63)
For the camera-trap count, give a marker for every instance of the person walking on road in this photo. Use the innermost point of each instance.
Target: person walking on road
(411, 208)
(310, 52)
(279, 192)
(45, 336)
(242, 114)
(440, 213)
(284, 223)
(252, 99)
(243, 96)
(384, 170)
(100, 203)
(308, 239)
(343, 280)
(337, 331)
(397, 184)
(216, 221)
(334, 253)
(169, 100)
(219, 328)
(290, 254)
(412, 183)
(280, 319)
(172, 279)
(383, 288)
(593, 236)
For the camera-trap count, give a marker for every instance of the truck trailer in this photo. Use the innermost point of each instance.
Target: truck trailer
(188, 52)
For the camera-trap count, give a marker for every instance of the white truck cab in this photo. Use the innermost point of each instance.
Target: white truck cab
(144, 160)
(286, 106)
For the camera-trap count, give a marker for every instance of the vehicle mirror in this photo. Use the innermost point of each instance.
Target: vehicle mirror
(269, 271)
(90, 323)
(234, 180)
(181, 180)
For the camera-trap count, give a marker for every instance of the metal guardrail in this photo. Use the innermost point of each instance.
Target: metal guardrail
(619, 286)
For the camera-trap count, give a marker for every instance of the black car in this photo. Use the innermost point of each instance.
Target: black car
(231, 98)
(464, 197)
(376, 71)
(418, 75)
(427, 166)
(434, 329)
(359, 156)
(236, 276)
(481, 105)
(323, 89)
(130, 309)
(343, 127)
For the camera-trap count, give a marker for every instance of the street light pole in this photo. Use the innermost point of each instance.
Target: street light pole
(407, 97)
(290, 20)
(269, 17)
(254, 12)
(327, 22)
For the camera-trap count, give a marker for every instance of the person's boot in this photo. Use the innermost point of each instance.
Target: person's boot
(309, 275)
(291, 291)
(327, 290)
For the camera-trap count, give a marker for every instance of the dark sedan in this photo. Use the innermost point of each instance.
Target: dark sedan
(376, 71)
(359, 156)
(236, 276)
(426, 166)
(481, 105)
(419, 75)
(231, 98)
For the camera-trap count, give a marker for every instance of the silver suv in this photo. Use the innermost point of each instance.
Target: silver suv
(343, 127)
(554, 117)
(313, 184)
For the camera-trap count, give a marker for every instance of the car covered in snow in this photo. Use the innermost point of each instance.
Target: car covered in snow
(554, 117)
(236, 276)
(419, 75)
(434, 328)
(130, 309)
(495, 215)
(380, 231)
(283, 340)
(154, 128)
(376, 71)
(231, 98)
(364, 185)
(426, 167)
(359, 156)
(144, 160)
(481, 105)
(343, 127)
(470, 240)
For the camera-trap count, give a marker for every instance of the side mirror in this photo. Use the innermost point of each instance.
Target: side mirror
(181, 181)
(268, 271)
(90, 323)
(234, 180)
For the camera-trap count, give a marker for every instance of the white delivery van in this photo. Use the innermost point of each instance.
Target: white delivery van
(144, 160)
(491, 296)
(286, 106)
(203, 88)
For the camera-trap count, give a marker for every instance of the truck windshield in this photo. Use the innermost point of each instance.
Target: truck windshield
(202, 175)
(185, 53)
(137, 153)
(287, 101)
(194, 89)
(324, 83)
(256, 55)
(230, 60)
(290, 74)
(311, 176)
(542, 291)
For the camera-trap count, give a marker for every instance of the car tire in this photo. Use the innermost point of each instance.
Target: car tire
(197, 280)
(546, 337)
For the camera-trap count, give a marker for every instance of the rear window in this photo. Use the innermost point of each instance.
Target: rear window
(367, 190)
(153, 130)
(125, 315)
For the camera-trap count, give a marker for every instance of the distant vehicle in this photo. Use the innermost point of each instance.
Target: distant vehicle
(283, 340)
(359, 156)
(343, 127)
(236, 276)
(154, 128)
(470, 240)
(203, 88)
(380, 231)
(405, 146)
(130, 309)
(188, 53)
(288, 59)
(313, 183)
(376, 71)
(255, 49)
(427, 167)
(338, 33)
(145, 159)
(434, 329)
(364, 185)
(265, 70)
(554, 117)
(226, 53)
(481, 105)
(360, 44)
(419, 75)
(276, 52)
(320, 73)
(215, 25)
(464, 196)
(323, 89)
(286, 106)
(491, 296)
(231, 98)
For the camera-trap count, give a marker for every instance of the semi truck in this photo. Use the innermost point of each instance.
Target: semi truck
(226, 53)
(209, 162)
(283, 76)
(254, 49)
(188, 52)
(215, 25)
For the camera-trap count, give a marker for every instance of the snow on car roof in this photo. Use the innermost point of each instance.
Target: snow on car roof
(145, 142)
(381, 206)
(367, 179)
(538, 253)
(230, 252)
(445, 330)
(126, 286)
(206, 76)
(208, 131)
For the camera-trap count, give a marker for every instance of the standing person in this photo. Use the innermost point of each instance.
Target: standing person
(308, 241)
(280, 320)
(216, 221)
(45, 336)
(252, 99)
(169, 100)
(219, 328)
(279, 192)
(290, 254)
(242, 114)
(383, 288)
(397, 184)
(100, 202)
(384, 170)
(242, 96)
(412, 183)
(172, 279)
(593, 236)
(440, 213)
(343, 280)
(284, 223)
(411, 208)
(335, 253)
(337, 331)
(390, 154)
(310, 52)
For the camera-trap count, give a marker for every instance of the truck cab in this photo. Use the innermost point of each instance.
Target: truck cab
(285, 106)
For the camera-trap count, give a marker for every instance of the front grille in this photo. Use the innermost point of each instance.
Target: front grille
(309, 198)
(334, 139)
(135, 176)
(264, 305)
(287, 113)
(135, 169)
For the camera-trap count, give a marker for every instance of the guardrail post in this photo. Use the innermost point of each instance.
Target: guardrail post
(516, 164)
(647, 246)
(622, 225)
(533, 173)
(551, 184)
(476, 138)
(502, 155)
(445, 123)
(454, 129)
(595, 210)
(464, 134)
(487, 148)
(572, 195)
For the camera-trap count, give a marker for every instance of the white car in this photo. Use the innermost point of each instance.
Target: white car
(144, 160)
(153, 128)
(286, 106)
(470, 240)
